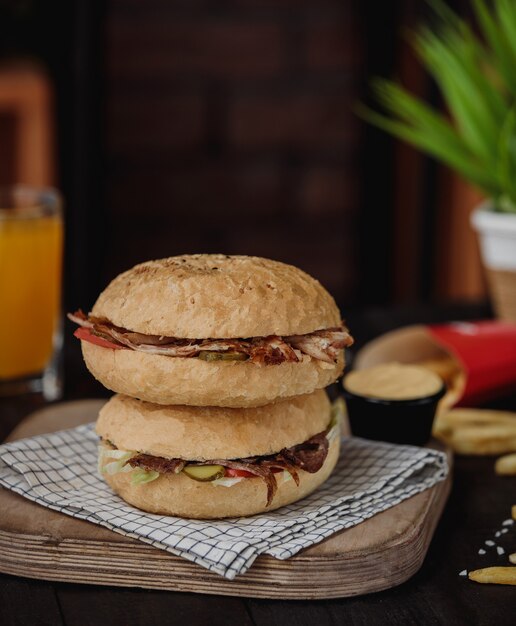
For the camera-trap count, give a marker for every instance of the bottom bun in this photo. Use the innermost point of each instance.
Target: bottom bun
(191, 381)
(178, 495)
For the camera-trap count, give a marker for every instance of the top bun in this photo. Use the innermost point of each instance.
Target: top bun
(204, 433)
(217, 296)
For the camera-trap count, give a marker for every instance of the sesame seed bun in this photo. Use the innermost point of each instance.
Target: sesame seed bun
(217, 296)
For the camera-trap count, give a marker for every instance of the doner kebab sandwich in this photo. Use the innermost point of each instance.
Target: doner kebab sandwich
(213, 330)
(215, 462)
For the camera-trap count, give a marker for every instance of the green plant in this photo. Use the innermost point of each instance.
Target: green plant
(476, 76)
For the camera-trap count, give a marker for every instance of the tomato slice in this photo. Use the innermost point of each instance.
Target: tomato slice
(237, 473)
(85, 334)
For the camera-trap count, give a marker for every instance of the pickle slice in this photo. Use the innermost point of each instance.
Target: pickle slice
(208, 355)
(204, 473)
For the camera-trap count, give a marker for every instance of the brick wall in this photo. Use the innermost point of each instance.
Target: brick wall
(8, 152)
(229, 128)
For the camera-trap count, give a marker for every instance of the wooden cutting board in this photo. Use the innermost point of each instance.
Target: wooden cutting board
(382, 552)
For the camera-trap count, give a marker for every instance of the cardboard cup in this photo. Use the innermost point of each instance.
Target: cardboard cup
(477, 360)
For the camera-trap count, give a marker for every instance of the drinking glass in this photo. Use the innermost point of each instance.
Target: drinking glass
(31, 245)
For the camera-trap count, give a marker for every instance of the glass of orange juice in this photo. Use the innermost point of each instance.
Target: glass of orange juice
(31, 245)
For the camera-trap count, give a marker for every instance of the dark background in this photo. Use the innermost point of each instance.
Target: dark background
(228, 126)
(225, 125)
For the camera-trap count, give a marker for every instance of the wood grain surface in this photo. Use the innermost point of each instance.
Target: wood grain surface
(435, 595)
(378, 554)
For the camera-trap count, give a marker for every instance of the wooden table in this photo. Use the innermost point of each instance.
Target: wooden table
(435, 595)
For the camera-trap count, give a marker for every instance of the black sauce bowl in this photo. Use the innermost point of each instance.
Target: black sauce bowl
(396, 421)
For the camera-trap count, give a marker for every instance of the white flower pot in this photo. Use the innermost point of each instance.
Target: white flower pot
(497, 236)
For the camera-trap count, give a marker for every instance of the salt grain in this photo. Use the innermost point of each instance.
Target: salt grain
(463, 573)
(489, 543)
(500, 550)
(508, 522)
(504, 530)
(497, 534)
(481, 551)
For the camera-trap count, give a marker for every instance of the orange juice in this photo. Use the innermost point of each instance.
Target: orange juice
(30, 292)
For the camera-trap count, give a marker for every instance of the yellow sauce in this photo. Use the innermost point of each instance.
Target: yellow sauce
(393, 381)
(30, 293)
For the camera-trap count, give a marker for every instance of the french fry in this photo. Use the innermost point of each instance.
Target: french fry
(460, 417)
(447, 368)
(450, 421)
(513, 511)
(482, 448)
(495, 575)
(444, 366)
(512, 558)
(497, 439)
(477, 431)
(506, 465)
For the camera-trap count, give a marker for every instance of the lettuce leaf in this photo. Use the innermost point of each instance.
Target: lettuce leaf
(141, 476)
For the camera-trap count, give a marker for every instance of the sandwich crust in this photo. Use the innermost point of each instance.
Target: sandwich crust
(217, 296)
(179, 495)
(192, 381)
(205, 433)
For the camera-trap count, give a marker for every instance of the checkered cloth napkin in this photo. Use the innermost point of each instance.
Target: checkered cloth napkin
(58, 470)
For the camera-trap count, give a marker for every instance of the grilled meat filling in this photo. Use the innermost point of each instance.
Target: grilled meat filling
(323, 345)
(308, 456)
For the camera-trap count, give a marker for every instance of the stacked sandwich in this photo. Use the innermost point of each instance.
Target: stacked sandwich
(219, 364)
